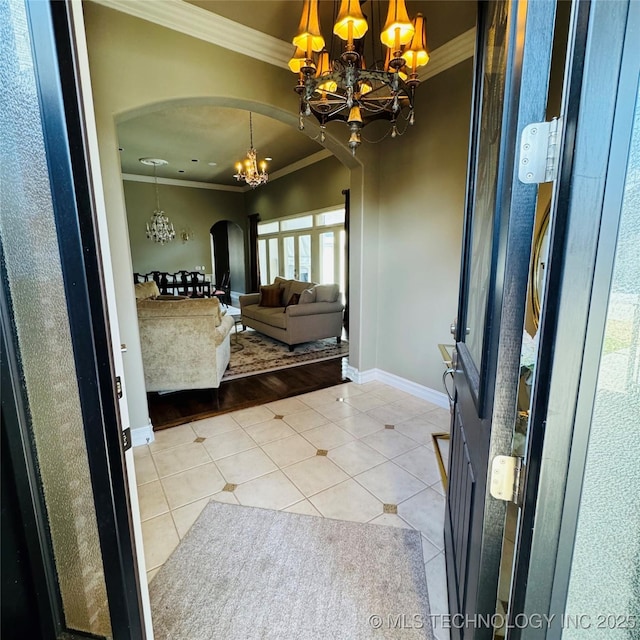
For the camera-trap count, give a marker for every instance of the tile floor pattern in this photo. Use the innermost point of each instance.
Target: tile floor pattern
(331, 453)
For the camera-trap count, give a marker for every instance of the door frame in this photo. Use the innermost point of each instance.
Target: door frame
(65, 140)
(587, 200)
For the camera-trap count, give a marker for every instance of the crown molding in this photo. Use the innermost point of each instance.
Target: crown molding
(210, 27)
(134, 177)
(202, 24)
(450, 54)
(280, 173)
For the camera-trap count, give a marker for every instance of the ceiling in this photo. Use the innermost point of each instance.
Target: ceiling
(192, 138)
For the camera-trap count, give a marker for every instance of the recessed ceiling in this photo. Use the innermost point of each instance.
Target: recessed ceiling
(207, 134)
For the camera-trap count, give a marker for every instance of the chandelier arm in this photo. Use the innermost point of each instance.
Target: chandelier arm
(328, 114)
(334, 98)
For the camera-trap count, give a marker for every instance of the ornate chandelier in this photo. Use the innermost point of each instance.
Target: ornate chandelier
(160, 229)
(346, 89)
(249, 170)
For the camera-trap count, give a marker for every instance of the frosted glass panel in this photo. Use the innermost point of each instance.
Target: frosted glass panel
(605, 573)
(33, 272)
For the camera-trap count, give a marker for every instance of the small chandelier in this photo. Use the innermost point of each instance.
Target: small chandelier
(160, 230)
(346, 89)
(249, 170)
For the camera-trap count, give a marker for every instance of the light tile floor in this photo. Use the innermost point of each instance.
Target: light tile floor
(352, 452)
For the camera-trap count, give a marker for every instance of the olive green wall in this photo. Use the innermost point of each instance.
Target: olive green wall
(198, 209)
(421, 229)
(136, 67)
(406, 194)
(317, 186)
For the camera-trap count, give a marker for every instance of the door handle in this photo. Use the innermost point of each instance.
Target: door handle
(454, 326)
(449, 372)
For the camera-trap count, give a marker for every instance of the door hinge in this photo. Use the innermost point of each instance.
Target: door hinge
(126, 439)
(119, 387)
(540, 152)
(507, 473)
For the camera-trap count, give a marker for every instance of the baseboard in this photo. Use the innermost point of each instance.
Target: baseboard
(359, 377)
(420, 391)
(142, 435)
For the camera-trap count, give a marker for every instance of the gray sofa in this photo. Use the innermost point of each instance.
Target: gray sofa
(317, 315)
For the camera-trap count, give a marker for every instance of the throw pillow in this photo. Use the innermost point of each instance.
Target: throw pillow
(294, 299)
(285, 285)
(307, 296)
(271, 296)
(298, 286)
(327, 292)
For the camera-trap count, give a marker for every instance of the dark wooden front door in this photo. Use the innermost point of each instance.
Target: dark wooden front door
(512, 73)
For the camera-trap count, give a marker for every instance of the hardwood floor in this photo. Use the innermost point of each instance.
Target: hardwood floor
(173, 409)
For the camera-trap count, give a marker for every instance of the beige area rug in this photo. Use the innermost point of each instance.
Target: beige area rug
(243, 573)
(253, 352)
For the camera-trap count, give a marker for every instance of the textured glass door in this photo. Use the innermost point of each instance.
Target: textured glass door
(63, 431)
(36, 297)
(614, 606)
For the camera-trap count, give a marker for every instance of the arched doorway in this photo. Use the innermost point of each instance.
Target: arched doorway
(228, 255)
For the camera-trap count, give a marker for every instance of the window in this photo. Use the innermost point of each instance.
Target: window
(309, 247)
(304, 222)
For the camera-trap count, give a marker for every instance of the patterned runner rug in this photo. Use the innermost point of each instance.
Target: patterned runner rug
(253, 352)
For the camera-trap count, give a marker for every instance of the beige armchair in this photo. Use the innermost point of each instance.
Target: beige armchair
(185, 343)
